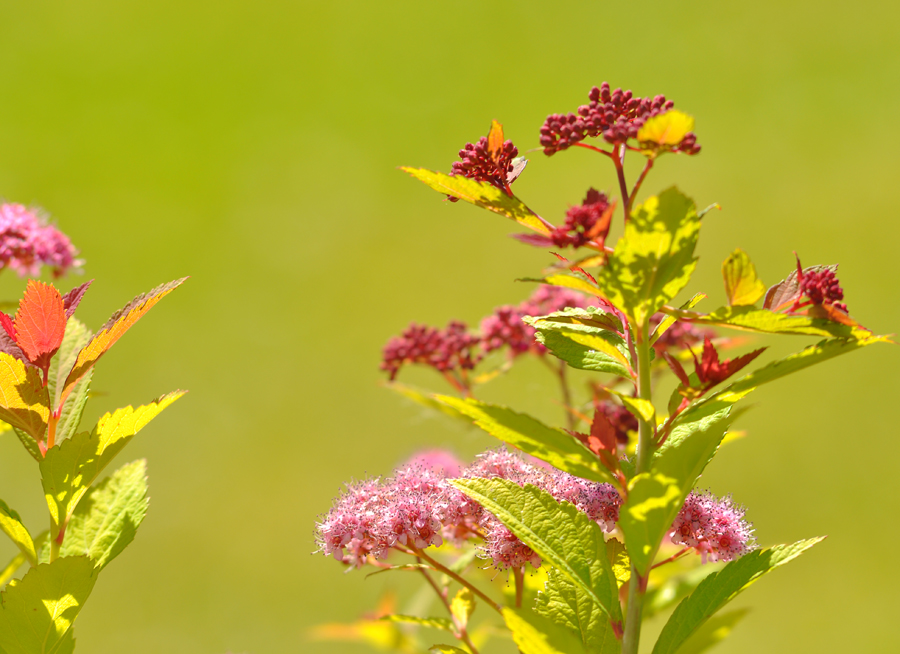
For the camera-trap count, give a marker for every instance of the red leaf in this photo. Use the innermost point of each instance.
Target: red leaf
(712, 371)
(72, 299)
(677, 368)
(40, 323)
(603, 434)
(8, 325)
(537, 240)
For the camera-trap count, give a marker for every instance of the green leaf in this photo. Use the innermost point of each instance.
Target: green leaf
(11, 525)
(481, 194)
(654, 259)
(30, 444)
(669, 320)
(426, 400)
(571, 281)
(436, 623)
(558, 532)
(713, 632)
(533, 437)
(76, 337)
(563, 602)
(584, 352)
(37, 613)
(68, 469)
(653, 502)
(463, 606)
(446, 649)
(106, 522)
(721, 587)
(742, 285)
(535, 634)
(742, 387)
(7, 573)
(638, 407)
(768, 322)
(619, 561)
(664, 131)
(689, 448)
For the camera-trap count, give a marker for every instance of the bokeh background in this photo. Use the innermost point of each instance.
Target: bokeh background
(254, 145)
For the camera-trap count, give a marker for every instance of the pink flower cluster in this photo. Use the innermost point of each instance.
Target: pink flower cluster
(417, 508)
(453, 348)
(27, 242)
(821, 287)
(477, 163)
(714, 527)
(615, 115)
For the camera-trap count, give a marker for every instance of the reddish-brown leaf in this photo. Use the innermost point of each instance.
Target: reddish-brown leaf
(677, 368)
(712, 371)
(40, 323)
(603, 434)
(72, 299)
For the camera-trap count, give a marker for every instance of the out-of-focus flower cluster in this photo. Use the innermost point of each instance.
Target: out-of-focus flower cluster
(454, 349)
(585, 222)
(715, 527)
(615, 115)
(417, 508)
(27, 242)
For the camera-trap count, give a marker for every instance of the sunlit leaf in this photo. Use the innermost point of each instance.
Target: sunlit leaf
(40, 323)
(481, 194)
(23, 397)
(653, 502)
(11, 525)
(742, 285)
(663, 326)
(584, 351)
(437, 623)
(7, 573)
(535, 634)
(672, 590)
(768, 322)
(76, 337)
(666, 130)
(721, 587)
(568, 606)
(463, 606)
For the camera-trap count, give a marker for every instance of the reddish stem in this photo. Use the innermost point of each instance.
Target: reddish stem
(619, 162)
(637, 186)
(594, 148)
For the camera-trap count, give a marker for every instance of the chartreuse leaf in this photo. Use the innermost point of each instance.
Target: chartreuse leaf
(573, 282)
(533, 437)
(565, 604)
(7, 573)
(437, 623)
(619, 561)
(76, 337)
(654, 259)
(37, 613)
(23, 397)
(106, 522)
(665, 131)
(463, 606)
(653, 502)
(669, 320)
(426, 400)
(68, 469)
(558, 532)
(583, 351)
(446, 649)
(742, 387)
(11, 525)
(535, 634)
(721, 587)
(112, 331)
(768, 322)
(713, 632)
(742, 285)
(481, 194)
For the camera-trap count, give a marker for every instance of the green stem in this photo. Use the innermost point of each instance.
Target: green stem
(54, 550)
(638, 585)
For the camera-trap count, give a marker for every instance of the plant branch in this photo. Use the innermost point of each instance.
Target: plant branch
(637, 185)
(619, 162)
(519, 578)
(594, 148)
(461, 630)
(447, 571)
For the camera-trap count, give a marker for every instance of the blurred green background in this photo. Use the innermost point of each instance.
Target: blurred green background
(253, 146)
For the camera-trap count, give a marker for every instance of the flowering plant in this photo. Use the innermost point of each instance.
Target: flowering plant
(604, 512)
(47, 358)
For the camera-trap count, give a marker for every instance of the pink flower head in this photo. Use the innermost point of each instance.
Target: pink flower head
(477, 162)
(440, 462)
(451, 348)
(600, 502)
(586, 222)
(714, 527)
(352, 525)
(615, 115)
(27, 242)
(550, 299)
(504, 548)
(500, 463)
(504, 328)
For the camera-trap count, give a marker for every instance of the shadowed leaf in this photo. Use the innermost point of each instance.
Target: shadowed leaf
(568, 606)
(23, 397)
(742, 286)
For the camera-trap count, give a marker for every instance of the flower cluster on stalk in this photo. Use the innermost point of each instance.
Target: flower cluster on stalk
(28, 242)
(715, 527)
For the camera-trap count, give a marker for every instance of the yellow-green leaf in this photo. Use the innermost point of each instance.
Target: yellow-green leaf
(481, 194)
(652, 504)
(535, 634)
(742, 285)
(463, 606)
(24, 401)
(664, 131)
(11, 525)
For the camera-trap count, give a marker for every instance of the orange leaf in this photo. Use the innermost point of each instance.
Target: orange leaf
(40, 323)
(495, 141)
(112, 331)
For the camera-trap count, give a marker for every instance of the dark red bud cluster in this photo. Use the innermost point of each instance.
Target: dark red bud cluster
(477, 163)
(585, 222)
(620, 418)
(615, 115)
(451, 348)
(822, 287)
(504, 327)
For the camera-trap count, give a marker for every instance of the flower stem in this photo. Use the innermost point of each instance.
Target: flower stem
(619, 161)
(638, 585)
(462, 582)
(637, 185)
(461, 634)
(519, 577)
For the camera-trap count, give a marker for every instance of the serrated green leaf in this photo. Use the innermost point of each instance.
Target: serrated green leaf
(573, 282)
(446, 649)
(742, 387)
(68, 469)
(747, 318)
(568, 606)
(437, 623)
(584, 352)
(713, 632)
(481, 194)
(426, 399)
(535, 634)
(106, 522)
(742, 285)
(37, 613)
(558, 532)
(638, 407)
(533, 437)
(11, 525)
(652, 504)
(76, 337)
(721, 587)
(654, 259)
(618, 561)
(463, 606)
(669, 320)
